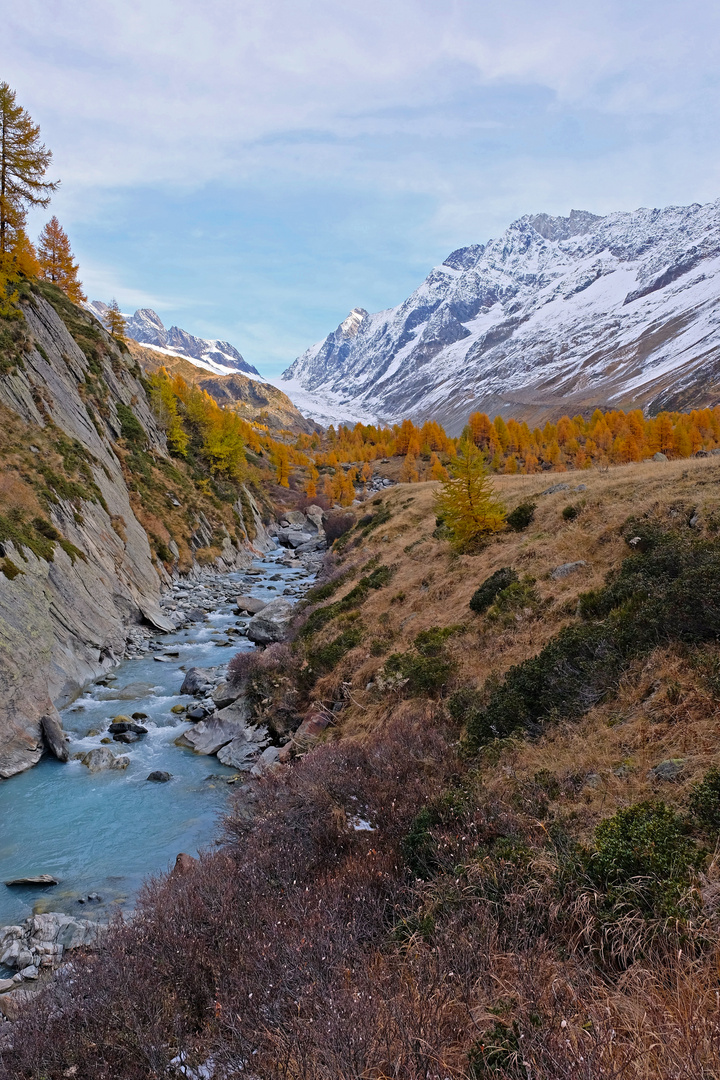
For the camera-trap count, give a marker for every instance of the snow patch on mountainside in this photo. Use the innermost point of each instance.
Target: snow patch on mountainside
(325, 408)
(557, 314)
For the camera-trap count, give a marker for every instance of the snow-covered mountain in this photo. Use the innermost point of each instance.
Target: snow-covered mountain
(556, 315)
(146, 327)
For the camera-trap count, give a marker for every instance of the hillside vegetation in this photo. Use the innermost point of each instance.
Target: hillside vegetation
(497, 860)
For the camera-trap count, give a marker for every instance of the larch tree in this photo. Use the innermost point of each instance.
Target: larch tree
(466, 503)
(115, 321)
(24, 160)
(23, 256)
(282, 466)
(56, 260)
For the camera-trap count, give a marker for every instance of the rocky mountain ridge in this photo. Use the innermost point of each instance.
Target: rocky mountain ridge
(78, 569)
(555, 315)
(146, 327)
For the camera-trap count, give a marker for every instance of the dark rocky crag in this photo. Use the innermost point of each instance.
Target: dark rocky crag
(65, 607)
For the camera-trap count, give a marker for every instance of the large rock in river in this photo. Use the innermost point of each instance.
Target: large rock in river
(272, 623)
(54, 737)
(197, 681)
(250, 604)
(211, 735)
(101, 758)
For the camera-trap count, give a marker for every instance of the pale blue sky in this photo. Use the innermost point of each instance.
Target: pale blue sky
(254, 169)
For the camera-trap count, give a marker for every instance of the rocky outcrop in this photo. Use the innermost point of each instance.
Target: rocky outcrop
(38, 943)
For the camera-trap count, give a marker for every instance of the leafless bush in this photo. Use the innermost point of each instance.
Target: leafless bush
(243, 665)
(337, 524)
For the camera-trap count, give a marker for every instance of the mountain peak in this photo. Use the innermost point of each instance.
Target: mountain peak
(578, 223)
(147, 328)
(350, 326)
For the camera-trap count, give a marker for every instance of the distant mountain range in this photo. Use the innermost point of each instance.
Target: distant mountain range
(559, 314)
(146, 327)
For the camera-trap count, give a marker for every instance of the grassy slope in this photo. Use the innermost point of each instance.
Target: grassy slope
(436, 587)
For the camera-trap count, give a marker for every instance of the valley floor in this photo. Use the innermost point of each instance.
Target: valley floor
(498, 858)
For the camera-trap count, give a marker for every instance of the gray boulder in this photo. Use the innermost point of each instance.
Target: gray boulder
(54, 737)
(315, 516)
(567, 568)
(224, 694)
(102, 758)
(267, 761)
(317, 544)
(197, 681)
(294, 517)
(158, 776)
(209, 736)
(244, 749)
(670, 770)
(659, 457)
(272, 623)
(250, 605)
(297, 539)
(36, 879)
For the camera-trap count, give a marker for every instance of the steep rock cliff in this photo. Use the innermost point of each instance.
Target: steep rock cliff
(77, 565)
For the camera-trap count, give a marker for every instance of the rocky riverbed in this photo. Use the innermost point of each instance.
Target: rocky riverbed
(150, 751)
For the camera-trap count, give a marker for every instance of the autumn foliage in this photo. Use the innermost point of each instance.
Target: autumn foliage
(56, 260)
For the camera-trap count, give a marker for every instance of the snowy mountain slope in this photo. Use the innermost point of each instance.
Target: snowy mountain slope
(556, 315)
(146, 327)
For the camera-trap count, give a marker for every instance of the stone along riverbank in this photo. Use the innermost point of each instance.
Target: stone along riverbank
(99, 831)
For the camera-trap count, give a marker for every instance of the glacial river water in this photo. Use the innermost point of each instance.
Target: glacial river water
(105, 832)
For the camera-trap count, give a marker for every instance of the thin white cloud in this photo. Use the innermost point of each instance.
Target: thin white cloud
(172, 91)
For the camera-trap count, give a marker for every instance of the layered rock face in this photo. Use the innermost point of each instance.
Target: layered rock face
(556, 315)
(64, 617)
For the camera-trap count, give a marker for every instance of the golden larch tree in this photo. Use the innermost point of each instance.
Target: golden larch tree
(115, 321)
(24, 161)
(56, 260)
(466, 503)
(23, 256)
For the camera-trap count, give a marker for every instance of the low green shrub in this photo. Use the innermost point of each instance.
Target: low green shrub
(419, 845)
(643, 859)
(668, 592)
(570, 512)
(519, 518)
(497, 1053)
(705, 802)
(485, 595)
(130, 427)
(315, 621)
(424, 674)
(323, 658)
(518, 596)
(427, 667)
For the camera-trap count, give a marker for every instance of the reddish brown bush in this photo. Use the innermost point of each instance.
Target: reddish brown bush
(336, 524)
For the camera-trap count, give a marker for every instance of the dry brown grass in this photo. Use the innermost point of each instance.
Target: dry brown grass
(662, 709)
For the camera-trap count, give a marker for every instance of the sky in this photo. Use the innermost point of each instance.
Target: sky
(253, 169)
